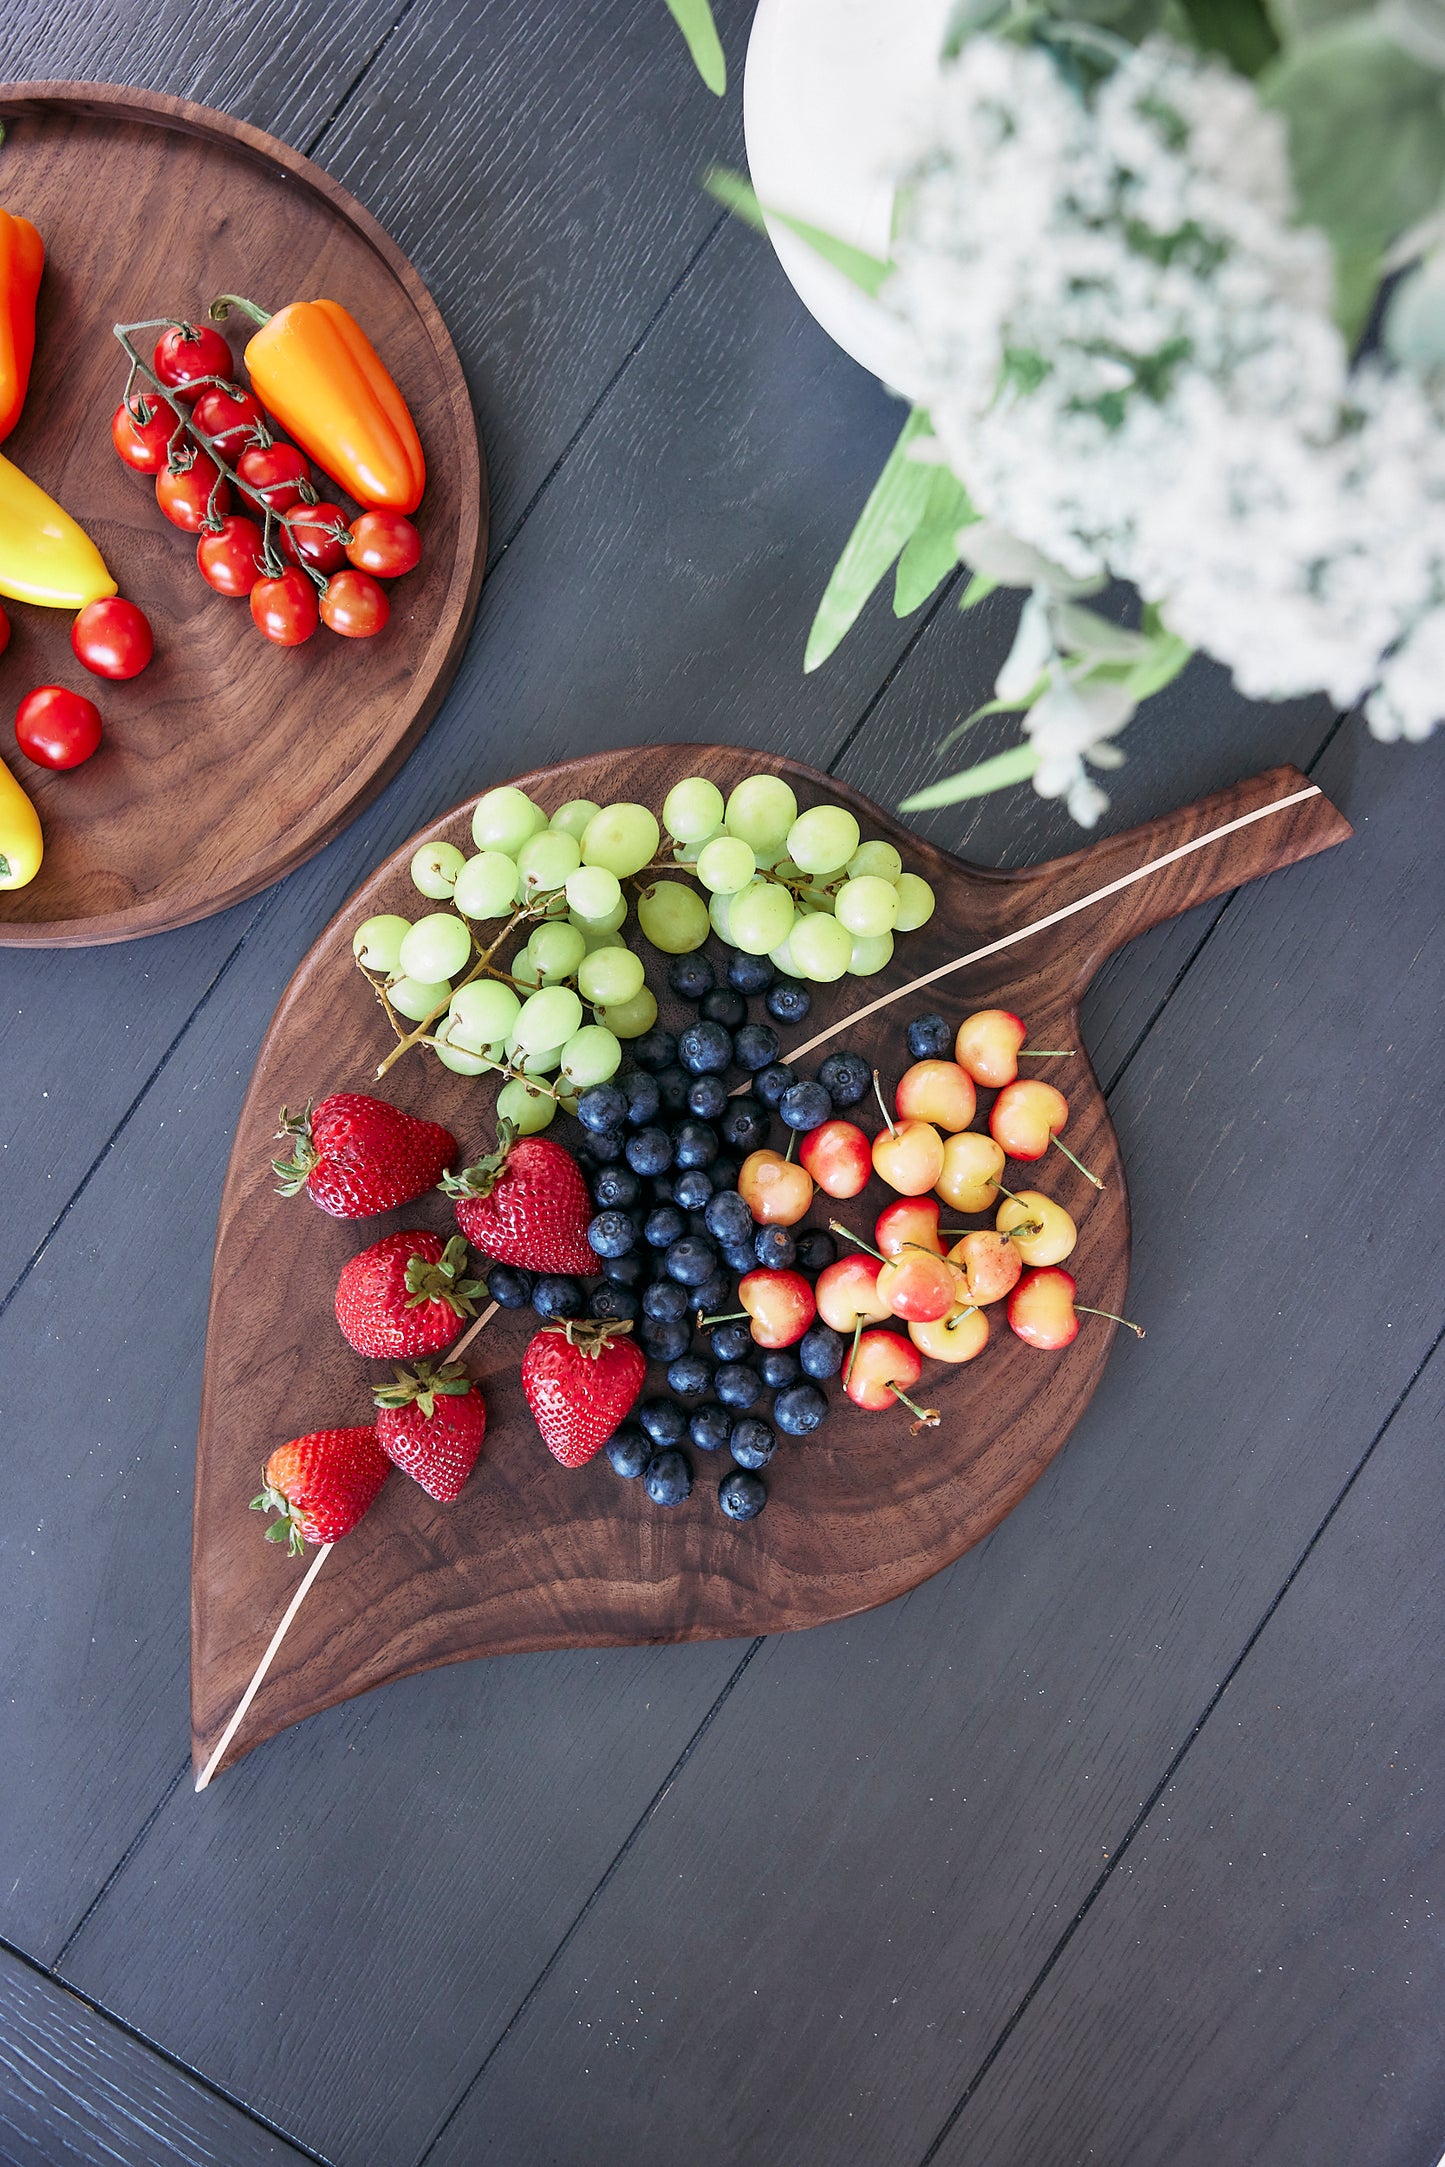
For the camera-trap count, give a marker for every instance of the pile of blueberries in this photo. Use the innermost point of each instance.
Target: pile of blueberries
(662, 1145)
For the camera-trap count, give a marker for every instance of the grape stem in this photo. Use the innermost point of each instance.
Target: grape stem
(417, 1036)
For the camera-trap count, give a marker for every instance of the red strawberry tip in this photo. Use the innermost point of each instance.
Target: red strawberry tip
(422, 1386)
(481, 1179)
(440, 1282)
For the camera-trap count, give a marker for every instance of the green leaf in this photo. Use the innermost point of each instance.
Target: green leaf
(694, 20)
(1240, 30)
(979, 588)
(737, 194)
(1014, 766)
(931, 553)
(894, 511)
(1366, 133)
(1036, 691)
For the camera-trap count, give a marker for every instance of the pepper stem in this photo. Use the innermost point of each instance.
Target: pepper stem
(223, 304)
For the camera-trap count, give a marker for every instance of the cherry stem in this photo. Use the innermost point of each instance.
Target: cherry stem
(878, 1094)
(838, 1228)
(734, 1316)
(952, 1324)
(1025, 1227)
(1076, 1162)
(1136, 1329)
(928, 1417)
(853, 1350)
(1046, 1053)
(792, 1142)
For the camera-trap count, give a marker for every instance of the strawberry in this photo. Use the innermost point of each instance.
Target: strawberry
(430, 1424)
(526, 1204)
(355, 1155)
(322, 1484)
(581, 1379)
(405, 1295)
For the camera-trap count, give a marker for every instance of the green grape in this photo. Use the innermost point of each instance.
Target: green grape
(823, 839)
(726, 865)
(460, 1062)
(545, 861)
(530, 1064)
(610, 976)
(524, 967)
(673, 918)
(760, 918)
(870, 954)
(821, 948)
(434, 869)
(481, 1016)
(692, 810)
(595, 894)
(590, 1056)
(526, 1109)
(504, 819)
(556, 949)
(418, 998)
(376, 942)
(915, 903)
(781, 958)
(597, 936)
(689, 853)
(622, 838)
(572, 818)
(486, 886)
(875, 858)
(548, 1018)
(717, 910)
(867, 906)
(438, 946)
(609, 924)
(629, 1019)
(761, 811)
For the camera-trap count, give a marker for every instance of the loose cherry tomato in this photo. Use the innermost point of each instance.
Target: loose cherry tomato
(229, 416)
(187, 354)
(4, 631)
(112, 638)
(354, 605)
(185, 495)
(285, 608)
(141, 429)
(230, 555)
(276, 473)
(56, 728)
(316, 535)
(385, 544)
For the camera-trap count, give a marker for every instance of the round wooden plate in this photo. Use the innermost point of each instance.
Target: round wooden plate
(532, 1556)
(228, 761)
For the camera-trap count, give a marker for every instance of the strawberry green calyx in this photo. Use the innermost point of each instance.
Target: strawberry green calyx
(481, 1179)
(422, 1386)
(442, 1281)
(589, 1335)
(295, 1130)
(288, 1528)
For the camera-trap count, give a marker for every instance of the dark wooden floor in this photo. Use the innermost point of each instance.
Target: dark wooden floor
(1119, 1842)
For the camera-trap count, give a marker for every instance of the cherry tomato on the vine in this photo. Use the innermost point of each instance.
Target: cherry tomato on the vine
(316, 535)
(276, 472)
(354, 605)
(112, 638)
(185, 496)
(187, 354)
(386, 544)
(230, 555)
(141, 429)
(229, 416)
(57, 728)
(285, 608)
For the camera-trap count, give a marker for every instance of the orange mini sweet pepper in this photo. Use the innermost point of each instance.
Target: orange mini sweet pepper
(317, 371)
(22, 258)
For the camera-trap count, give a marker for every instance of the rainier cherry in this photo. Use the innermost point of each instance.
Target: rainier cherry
(972, 1164)
(958, 1337)
(916, 1283)
(937, 1091)
(883, 1367)
(777, 1191)
(837, 1156)
(908, 1155)
(847, 1293)
(1056, 1234)
(781, 1305)
(989, 1263)
(1026, 1118)
(988, 1046)
(908, 1222)
(1042, 1309)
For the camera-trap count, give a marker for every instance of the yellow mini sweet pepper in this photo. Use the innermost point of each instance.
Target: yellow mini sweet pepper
(44, 556)
(21, 846)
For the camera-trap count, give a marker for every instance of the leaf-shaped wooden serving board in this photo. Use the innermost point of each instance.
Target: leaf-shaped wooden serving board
(532, 1556)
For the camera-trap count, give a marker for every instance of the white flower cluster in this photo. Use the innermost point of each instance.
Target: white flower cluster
(1131, 365)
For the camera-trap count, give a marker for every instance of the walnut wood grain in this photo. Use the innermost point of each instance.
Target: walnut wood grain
(531, 1556)
(229, 761)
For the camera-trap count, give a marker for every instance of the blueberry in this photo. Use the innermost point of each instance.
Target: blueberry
(615, 1187)
(731, 1342)
(816, 1250)
(770, 1083)
(778, 1367)
(750, 974)
(649, 1151)
(726, 1007)
(623, 1271)
(663, 1227)
(673, 1085)
(707, 1097)
(629, 1450)
(821, 1351)
(510, 1287)
(690, 977)
(665, 1300)
(742, 1495)
(692, 1189)
(663, 1339)
(603, 1108)
(774, 1248)
(607, 1300)
(846, 1077)
(611, 1234)
(668, 1479)
(705, 1049)
(663, 1420)
(728, 1217)
(601, 1148)
(695, 1144)
(738, 1384)
(740, 1257)
(745, 1125)
(752, 1443)
(655, 1050)
(787, 1001)
(643, 1099)
(805, 1106)
(929, 1038)
(710, 1428)
(690, 1260)
(800, 1409)
(724, 1173)
(690, 1376)
(554, 1296)
(756, 1046)
(713, 1296)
